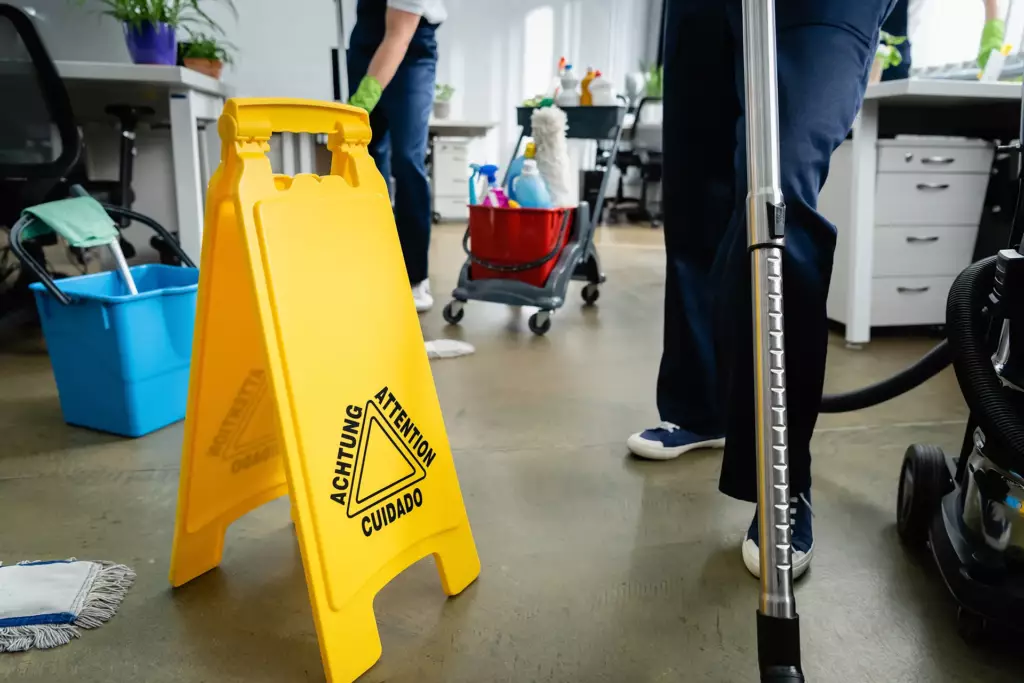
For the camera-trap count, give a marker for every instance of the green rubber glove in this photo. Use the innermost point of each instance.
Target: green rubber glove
(991, 39)
(367, 95)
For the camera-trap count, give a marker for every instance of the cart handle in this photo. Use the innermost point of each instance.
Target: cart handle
(519, 268)
(114, 211)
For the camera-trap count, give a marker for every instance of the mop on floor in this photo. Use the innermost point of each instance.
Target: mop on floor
(448, 348)
(44, 604)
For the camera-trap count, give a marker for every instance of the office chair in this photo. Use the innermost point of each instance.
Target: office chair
(118, 192)
(40, 155)
(39, 145)
(645, 154)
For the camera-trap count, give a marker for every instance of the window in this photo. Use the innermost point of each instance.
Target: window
(538, 51)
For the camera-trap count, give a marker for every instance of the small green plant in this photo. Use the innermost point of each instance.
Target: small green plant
(655, 75)
(887, 51)
(204, 46)
(443, 92)
(174, 13)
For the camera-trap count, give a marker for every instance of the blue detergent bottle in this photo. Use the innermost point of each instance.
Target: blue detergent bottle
(530, 188)
(516, 168)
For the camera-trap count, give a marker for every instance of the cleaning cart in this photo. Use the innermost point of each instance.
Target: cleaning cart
(120, 342)
(527, 257)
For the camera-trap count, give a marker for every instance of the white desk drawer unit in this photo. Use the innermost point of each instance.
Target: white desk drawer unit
(929, 195)
(450, 179)
(922, 250)
(909, 300)
(919, 198)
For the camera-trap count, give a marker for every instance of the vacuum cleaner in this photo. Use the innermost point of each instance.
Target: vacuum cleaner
(968, 509)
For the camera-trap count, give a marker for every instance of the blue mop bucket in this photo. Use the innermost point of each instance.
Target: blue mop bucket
(121, 360)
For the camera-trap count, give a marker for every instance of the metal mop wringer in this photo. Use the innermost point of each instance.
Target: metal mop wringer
(778, 626)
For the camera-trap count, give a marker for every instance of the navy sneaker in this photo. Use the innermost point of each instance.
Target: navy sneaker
(667, 441)
(800, 514)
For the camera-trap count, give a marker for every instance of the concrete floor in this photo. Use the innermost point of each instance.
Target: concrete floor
(596, 566)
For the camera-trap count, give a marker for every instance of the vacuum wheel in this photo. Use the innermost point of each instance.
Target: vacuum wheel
(453, 312)
(540, 322)
(591, 293)
(924, 480)
(970, 626)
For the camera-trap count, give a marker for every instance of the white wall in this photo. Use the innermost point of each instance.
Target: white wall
(481, 54)
(947, 31)
(283, 45)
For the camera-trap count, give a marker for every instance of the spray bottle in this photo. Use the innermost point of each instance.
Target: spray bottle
(491, 192)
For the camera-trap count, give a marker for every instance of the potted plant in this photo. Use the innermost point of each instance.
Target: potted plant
(443, 100)
(886, 55)
(150, 25)
(654, 75)
(206, 54)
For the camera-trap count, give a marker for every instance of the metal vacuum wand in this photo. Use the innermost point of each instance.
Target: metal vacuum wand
(778, 626)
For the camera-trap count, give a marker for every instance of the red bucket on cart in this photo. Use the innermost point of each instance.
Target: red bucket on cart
(516, 244)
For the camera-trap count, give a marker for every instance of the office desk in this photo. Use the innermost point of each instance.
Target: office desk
(913, 106)
(451, 128)
(180, 96)
(449, 165)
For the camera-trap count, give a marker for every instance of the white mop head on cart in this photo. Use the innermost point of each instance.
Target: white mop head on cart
(549, 125)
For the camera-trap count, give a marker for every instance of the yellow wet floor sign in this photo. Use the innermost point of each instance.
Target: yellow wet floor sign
(310, 378)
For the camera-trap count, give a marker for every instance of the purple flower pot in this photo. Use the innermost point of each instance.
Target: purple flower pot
(151, 43)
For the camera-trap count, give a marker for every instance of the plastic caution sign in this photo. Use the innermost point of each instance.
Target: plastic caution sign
(310, 378)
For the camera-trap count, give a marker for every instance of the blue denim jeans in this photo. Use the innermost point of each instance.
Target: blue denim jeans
(706, 379)
(400, 124)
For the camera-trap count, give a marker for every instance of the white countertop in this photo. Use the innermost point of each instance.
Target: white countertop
(461, 129)
(945, 90)
(143, 74)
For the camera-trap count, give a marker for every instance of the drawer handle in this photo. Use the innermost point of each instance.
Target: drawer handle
(933, 186)
(937, 161)
(913, 290)
(921, 240)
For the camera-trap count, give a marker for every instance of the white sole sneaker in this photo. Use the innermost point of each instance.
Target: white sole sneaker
(422, 297)
(752, 559)
(655, 450)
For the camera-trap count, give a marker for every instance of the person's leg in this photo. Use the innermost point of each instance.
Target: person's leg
(824, 56)
(700, 111)
(407, 102)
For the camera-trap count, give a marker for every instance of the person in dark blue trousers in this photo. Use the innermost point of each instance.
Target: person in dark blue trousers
(392, 65)
(705, 388)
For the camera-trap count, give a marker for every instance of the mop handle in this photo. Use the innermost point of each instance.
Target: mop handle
(122, 266)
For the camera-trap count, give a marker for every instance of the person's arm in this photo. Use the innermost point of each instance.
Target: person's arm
(399, 29)
(991, 10)
(992, 34)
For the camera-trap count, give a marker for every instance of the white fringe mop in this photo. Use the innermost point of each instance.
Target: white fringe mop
(43, 604)
(549, 125)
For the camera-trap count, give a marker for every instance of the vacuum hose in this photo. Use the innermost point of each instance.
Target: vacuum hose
(931, 364)
(990, 403)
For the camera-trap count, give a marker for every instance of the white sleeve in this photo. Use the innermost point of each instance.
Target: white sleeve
(432, 10)
(413, 6)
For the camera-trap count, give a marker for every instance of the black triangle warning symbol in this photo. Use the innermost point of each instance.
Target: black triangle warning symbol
(384, 464)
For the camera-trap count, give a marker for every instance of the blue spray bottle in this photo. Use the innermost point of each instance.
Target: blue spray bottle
(493, 194)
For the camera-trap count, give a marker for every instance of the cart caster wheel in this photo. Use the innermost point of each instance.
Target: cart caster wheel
(435, 218)
(970, 626)
(453, 312)
(924, 480)
(540, 322)
(591, 293)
